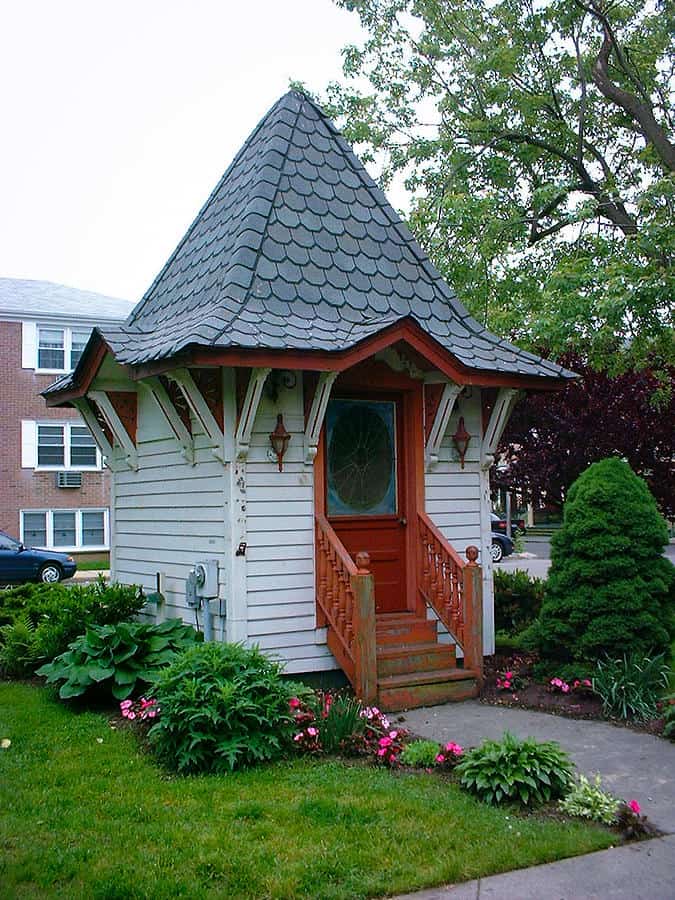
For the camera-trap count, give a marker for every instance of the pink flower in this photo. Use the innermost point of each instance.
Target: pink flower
(634, 806)
(393, 735)
(453, 748)
(586, 682)
(294, 703)
(508, 674)
(298, 736)
(152, 713)
(126, 704)
(507, 684)
(131, 714)
(565, 688)
(382, 751)
(576, 683)
(556, 682)
(311, 731)
(385, 742)
(440, 758)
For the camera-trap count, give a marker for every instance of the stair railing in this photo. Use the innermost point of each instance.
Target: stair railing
(345, 596)
(453, 589)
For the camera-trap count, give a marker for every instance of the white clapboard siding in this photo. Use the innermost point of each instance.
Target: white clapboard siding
(168, 514)
(280, 556)
(453, 496)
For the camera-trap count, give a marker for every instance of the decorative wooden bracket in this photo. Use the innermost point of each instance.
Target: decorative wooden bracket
(199, 409)
(317, 414)
(506, 400)
(116, 426)
(156, 390)
(249, 411)
(449, 397)
(85, 409)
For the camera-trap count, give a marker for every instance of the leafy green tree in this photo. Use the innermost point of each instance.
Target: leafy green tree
(535, 141)
(609, 589)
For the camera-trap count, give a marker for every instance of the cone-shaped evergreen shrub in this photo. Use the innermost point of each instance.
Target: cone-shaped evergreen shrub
(610, 589)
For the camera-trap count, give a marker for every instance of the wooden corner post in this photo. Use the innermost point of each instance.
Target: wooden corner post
(363, 586)
(473, 614)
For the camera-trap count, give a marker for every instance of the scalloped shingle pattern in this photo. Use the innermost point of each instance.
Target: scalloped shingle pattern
(297, 248)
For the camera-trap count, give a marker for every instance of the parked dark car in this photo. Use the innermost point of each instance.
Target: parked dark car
(499, 525)
(501, 546)
(19, 563)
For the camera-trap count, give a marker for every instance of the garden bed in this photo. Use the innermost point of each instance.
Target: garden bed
(87, 814)
(537, 695)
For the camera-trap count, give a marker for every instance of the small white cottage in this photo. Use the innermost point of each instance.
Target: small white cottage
(301, 404)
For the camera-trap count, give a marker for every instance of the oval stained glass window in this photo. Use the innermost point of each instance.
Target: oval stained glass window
(361, 458)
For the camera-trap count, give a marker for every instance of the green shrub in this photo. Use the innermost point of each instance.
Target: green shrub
(630, 687)
(609, 586)
(588, 801)
(116, 657)
(515, 771)
(224, 707)
(17, 646)
(57, 614)
(420, 753)
(518, 600)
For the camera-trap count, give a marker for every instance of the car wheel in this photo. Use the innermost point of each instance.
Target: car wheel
(51, 573)
(496, 551)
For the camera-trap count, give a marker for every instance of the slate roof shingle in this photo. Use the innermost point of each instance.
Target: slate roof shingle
(297, 248)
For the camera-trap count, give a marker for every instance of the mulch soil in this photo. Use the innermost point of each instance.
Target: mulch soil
(537, 695)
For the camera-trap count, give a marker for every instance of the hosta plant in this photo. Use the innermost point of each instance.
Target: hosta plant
(587, 800)
(516, 771)
(224, 707)
(118, 657)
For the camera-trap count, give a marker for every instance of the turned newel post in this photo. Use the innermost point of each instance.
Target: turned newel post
(473, 613)
(363, 586)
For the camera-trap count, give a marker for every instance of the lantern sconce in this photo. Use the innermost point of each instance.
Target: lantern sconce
(461, 440)
(279, 439)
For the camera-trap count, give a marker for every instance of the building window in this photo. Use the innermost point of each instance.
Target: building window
(51, 349)
(65, 529)
(67, 446)
(59, 349)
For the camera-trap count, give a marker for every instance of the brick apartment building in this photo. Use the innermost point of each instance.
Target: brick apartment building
(54, 490)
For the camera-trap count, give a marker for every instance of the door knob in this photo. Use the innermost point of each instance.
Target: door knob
(403, 521)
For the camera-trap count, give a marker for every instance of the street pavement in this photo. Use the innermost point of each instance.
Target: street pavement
(632, 765)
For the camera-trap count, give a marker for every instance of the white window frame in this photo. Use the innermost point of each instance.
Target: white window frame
(66, 467)
(78, 546)
(67, 345)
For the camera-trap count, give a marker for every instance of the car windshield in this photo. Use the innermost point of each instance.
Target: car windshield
(8, 543)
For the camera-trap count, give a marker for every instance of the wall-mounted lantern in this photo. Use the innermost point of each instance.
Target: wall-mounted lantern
(461, 440)
(279, 439)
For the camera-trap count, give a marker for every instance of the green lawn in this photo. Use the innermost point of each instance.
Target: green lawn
(86, 815)
(93, 565)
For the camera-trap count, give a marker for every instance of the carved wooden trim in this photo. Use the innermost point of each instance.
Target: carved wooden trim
(125, 405)
(317, 413)
(506, 400)
(90, 419)
(210, 384)
(169, 410)
(122, 437)
(200, 409)
(446, 404)
(249, 411)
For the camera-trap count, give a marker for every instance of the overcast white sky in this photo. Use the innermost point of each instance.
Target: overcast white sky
(118, 117)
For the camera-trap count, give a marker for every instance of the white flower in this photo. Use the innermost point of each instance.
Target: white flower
(5, 743)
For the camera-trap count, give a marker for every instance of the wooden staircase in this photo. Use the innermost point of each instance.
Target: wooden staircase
(396, 659)
(413, 668)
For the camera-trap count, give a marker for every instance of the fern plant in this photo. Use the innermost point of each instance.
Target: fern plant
(516, 771)
(18, 646)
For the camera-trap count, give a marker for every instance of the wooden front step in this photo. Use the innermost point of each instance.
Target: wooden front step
(393, 659)
(426, 688)
(404, 629)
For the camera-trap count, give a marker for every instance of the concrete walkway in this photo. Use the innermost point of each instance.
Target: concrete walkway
(632, 766)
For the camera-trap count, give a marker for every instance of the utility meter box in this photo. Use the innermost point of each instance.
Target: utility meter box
(202, 582)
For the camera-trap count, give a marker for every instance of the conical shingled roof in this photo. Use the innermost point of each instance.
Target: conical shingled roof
(297, 248)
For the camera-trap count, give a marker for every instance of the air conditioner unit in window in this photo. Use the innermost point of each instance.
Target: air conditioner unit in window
(69, 479)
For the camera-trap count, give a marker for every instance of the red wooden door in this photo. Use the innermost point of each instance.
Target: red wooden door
(365, 485)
